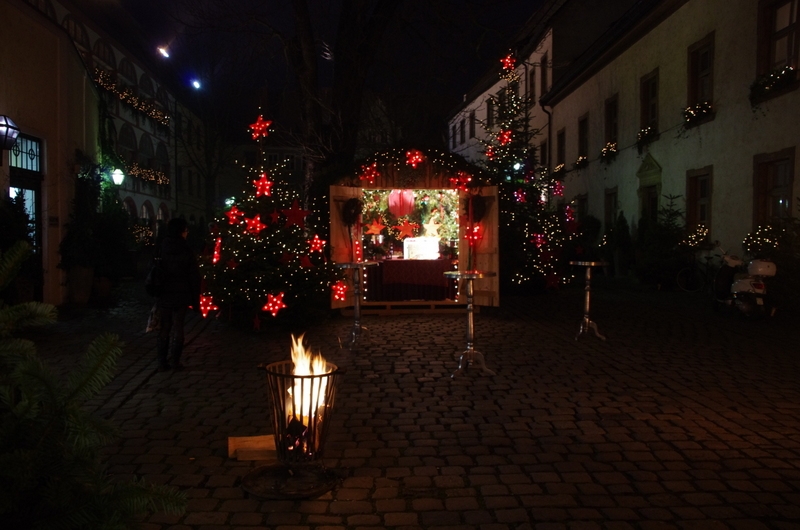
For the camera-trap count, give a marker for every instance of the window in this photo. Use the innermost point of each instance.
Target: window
(103, 52)
(648, 94)
(127, 144)
(610, 206)
(76, 31)
(472, 124)
(25, 154)
(698, 197)
(649, 202)
(581, 206)
(778, 32)
(583, 135)
(127, 71)
(772, 186)
(701, 71)
(489, 113)
(561, 155)
(543, 79)
(463, 130)
(612, 119)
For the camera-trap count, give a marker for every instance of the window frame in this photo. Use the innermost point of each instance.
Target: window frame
(694, 73)
(583, 135)
(611, 119)
(648, 102)
(761, 188)
(694, 178)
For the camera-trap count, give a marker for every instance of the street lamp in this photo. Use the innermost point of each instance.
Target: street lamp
(8, 132)
(118, 177)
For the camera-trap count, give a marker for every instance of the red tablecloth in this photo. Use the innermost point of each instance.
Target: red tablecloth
(416, 271)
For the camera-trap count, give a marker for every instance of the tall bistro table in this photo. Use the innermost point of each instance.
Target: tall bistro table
(587, 323)
(470, 355)
(356, 267)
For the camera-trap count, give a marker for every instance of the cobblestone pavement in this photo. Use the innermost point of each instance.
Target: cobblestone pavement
(683, 418)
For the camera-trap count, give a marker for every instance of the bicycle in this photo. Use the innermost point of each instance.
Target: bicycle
(695, 278)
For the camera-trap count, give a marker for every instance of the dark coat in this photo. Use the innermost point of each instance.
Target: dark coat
(181, 274)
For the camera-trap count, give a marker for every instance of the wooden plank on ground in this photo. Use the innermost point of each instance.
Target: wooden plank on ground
(252, 447)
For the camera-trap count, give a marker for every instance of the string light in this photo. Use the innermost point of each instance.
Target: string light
(207, 305)
(104, 80)
(339, 290)
(260, 128)
(274, 304)
(150, 175)
(414, 157)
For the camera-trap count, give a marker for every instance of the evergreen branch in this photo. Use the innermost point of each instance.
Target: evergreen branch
(96, 369)
(25, 315)
(11, 262)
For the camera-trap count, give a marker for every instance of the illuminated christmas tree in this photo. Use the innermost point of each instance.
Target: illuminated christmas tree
(534, 224)
(263, 260)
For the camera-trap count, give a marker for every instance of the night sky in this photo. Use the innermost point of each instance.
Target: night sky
(434, 51)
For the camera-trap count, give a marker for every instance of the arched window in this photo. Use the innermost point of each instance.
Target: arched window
(162, 158)
(146, 86)
(127, 72)
(130, 207)
(162, 98)
(77, 32)
(146, 153)
(163, 213)
(127, 145)
(104, 53)
(45, 6)
(147, 215)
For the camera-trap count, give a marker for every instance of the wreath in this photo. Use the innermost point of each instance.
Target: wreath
(351, 210)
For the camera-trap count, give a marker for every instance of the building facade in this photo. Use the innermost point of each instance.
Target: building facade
(689, 101)
(71, 87)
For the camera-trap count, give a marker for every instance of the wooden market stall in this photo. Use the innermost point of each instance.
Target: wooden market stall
(411, 215)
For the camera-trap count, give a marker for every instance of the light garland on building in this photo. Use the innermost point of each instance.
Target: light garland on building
(151, 175)
(126, 95)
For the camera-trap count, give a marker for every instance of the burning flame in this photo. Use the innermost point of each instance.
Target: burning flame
(308, 395)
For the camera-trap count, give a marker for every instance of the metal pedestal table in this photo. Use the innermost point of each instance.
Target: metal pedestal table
(587, 323)
(470, 355)
(356, 267)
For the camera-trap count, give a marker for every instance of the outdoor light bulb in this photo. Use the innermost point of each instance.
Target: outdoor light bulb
(517, 166)
(163, 51)
(229, 202)
(196, 84)
(117, 176)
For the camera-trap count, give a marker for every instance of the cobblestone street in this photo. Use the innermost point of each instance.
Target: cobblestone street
(684, 418)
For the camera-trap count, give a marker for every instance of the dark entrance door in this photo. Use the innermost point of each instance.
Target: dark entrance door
(26, 185)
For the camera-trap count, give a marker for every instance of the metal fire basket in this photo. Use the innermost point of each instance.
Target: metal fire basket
(301, 406)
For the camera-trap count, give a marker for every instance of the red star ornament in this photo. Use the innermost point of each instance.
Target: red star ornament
(305, 262)
(316, 244)
(339, 290)
(504, 137)
(414, 157)
(275, 216)
(406, 229)
(286, 258)
(232, 263)
(375, 228)
(254, 225)
(274, 304)
(263, 186)
(234, 215)
(369, 173)
(207, 305)
(295, 215)
(508, 62)
(260, 128)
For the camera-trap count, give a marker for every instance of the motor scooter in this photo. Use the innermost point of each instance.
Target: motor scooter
(741, 287)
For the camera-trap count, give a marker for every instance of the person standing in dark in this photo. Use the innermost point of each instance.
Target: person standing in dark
(181, 291)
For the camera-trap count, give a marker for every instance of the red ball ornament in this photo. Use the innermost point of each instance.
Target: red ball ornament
(401, 202)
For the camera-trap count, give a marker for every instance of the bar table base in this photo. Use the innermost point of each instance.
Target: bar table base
(470, 355)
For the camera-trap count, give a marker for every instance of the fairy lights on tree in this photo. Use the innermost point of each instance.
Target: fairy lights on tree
(266, 256)
(532, 222)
